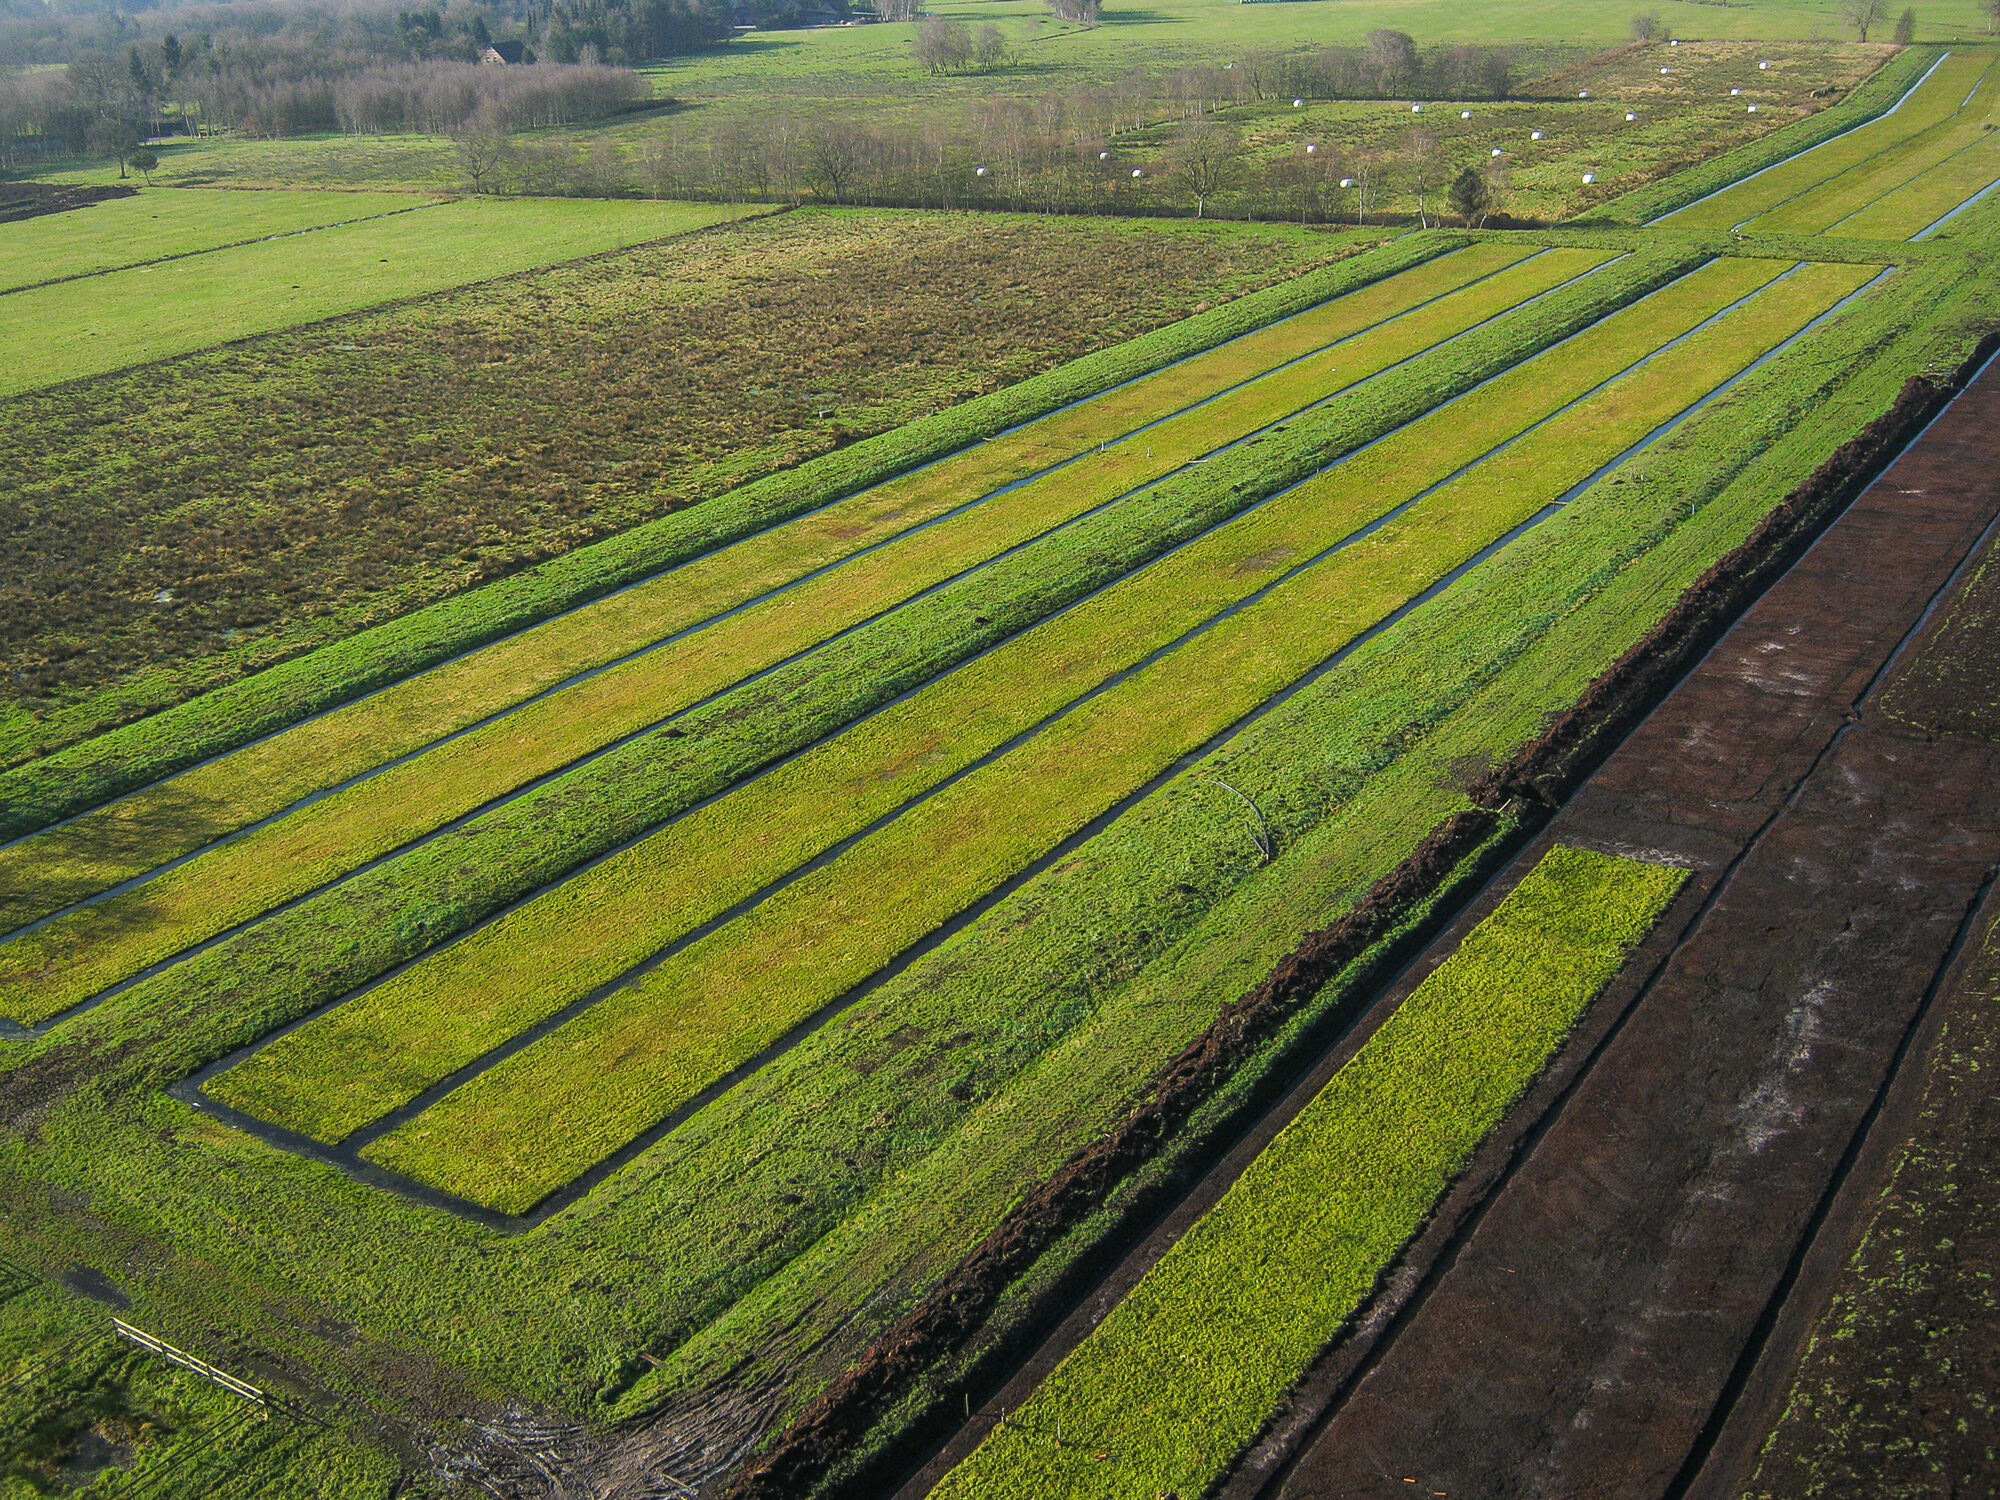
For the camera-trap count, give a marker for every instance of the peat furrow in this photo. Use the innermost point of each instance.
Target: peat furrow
(1573, 744)
(1540, 774)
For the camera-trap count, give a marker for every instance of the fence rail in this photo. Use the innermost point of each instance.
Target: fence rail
(188, 1361)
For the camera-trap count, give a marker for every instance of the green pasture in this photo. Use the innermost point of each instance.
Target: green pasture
(71, 958)
(158, 223)
(1827, 166)
(396, 909)
(726, 368)
(125, 317)
(83, 1411)
(1876, 163)
(1468, 676)
(664, 867)
(1495, 652)
(1184, 1371)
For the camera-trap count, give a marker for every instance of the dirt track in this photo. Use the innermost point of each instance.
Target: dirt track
(1647, 1270)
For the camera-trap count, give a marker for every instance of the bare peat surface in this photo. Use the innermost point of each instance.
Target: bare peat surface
(1623, 1313)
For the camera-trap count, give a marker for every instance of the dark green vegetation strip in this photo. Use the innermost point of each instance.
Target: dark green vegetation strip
(1278, 1266)
(291, 415)
(344, 936)
(1878, 94)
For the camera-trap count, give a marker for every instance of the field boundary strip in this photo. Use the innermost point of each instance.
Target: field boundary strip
(761, 674)
(190, 1090)
(1973, 202)
(255, 239)
(54, 788)
(1916, 179)
(743, 605)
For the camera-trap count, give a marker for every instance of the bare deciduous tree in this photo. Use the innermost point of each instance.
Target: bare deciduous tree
(482, 152)
(1862, 14)
(942, 46)
(829, 156)
(1203, 161)
(1394, 57)
(1423, 162)
(990, 49)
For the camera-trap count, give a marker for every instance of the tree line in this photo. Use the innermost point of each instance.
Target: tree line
(1061, 153)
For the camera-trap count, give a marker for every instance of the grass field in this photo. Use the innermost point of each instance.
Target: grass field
(144, 313)
(974, 760)
(1280, 1264)
(158, 223)
(1830, 169)
(415, 796)
(632, 1060)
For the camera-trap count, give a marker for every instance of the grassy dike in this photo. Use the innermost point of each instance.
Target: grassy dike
(785, 1224)
(1283, 1260)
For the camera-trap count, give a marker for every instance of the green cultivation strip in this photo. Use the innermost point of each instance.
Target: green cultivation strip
(137, 833)
(1187, 1368)
(336, 940)
(160, 222)
(132, 836)
(625, 1063)
(73, 957)
(1704, 184)
(1827, 207)
(844, 1169)
(129, 837)
(1936, 102)
(1915, 207)
(82, 776)
(444, 1011)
